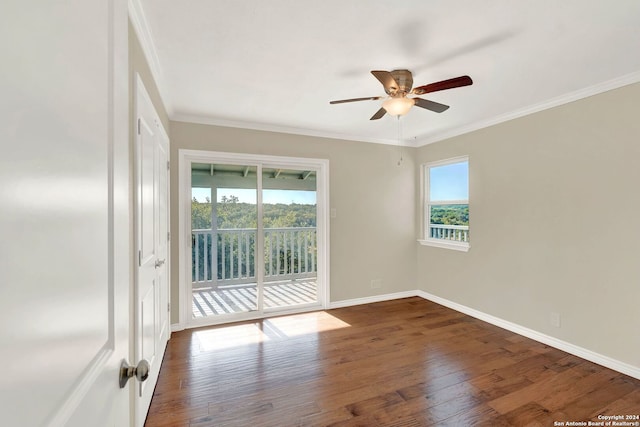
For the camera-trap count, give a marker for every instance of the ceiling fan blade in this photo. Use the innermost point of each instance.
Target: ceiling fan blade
(430, 105)
(342, 101)
(444, 84)
(378, 115)
(390, 84)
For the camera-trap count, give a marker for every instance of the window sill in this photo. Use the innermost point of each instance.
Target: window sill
(446, 244)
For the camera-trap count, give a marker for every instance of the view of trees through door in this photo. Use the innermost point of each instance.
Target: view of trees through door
(240, 264)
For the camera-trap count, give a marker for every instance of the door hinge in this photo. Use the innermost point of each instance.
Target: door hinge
(138, 126)
(168, 165)
(139, 258)
(168, 236)
(168, 306)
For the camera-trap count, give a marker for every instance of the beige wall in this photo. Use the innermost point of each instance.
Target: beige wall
(554, 206)
(373, 235)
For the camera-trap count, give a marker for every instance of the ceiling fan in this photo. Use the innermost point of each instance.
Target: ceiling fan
(397, 84)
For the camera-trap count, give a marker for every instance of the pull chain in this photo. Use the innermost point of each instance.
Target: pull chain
(399, 141)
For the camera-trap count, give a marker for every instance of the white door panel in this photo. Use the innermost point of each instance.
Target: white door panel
(64, 213)
(163, 237)
(148, 316)
(151, 285)
(147, 191)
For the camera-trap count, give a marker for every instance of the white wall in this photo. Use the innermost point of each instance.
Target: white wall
(373, 235)
(554, 206)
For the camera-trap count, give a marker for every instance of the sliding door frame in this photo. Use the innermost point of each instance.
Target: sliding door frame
(186, 158)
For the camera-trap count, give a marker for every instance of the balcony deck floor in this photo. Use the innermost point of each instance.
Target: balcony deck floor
(226, 299)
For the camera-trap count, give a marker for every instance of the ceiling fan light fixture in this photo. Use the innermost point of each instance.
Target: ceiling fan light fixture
(398, 106)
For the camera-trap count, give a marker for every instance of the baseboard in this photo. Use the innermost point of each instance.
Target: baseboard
(616, 365)
(175, 327)
(369, 300)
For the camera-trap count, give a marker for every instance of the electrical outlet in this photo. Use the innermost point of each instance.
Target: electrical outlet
(554, 318)
(376, 284)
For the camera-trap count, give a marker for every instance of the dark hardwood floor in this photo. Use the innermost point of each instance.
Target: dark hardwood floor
(401, 363)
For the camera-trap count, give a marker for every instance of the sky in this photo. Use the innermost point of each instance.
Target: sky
(268, 196)
(449, 182)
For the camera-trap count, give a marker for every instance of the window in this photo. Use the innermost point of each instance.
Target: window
(446, 204)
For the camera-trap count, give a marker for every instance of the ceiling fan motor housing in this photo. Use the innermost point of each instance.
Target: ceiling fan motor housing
(404, 80)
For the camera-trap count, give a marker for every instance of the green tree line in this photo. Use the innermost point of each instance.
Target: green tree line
(233, 214)
(450, 214)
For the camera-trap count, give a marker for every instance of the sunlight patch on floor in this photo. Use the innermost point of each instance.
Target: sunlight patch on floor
(224, 337)
(230, 336)
(307, 323)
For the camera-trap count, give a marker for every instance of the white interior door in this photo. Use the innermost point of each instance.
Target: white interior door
(64, 213)
(151, 295)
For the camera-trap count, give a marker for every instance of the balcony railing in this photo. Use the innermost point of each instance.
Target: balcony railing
(457, 233)
(289, 253)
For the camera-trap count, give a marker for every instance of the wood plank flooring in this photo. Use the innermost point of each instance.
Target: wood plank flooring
(401, 363)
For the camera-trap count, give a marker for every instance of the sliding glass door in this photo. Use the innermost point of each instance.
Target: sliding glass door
(224, 217)
(254, 241)
(289, 212)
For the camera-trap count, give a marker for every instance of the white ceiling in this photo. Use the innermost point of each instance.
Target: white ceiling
(276, 64)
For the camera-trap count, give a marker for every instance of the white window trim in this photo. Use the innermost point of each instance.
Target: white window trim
(425, 203)
(446, 244)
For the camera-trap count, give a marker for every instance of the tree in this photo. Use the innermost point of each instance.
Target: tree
(450, 214)
(232, 214)
(201, 214)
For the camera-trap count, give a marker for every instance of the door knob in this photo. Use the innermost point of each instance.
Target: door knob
(159, 263)
(141, 372)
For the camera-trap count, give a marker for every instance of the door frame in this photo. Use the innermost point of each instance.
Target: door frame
(186, 158)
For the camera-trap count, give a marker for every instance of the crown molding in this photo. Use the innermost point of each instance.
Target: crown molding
(281, 129)
(141, 27)
(555, 102)
(545, 105)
